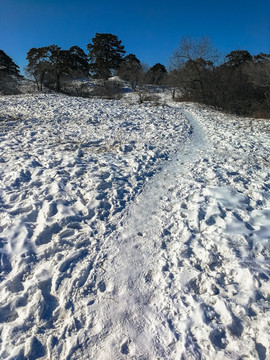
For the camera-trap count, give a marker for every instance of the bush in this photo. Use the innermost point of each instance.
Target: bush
(8, 85)
(108, 89)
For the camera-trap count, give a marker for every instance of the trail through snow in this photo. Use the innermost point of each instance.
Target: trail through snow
(132, 232)
(141, 264)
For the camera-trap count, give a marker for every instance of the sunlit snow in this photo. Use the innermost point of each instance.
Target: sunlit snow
(132, 231)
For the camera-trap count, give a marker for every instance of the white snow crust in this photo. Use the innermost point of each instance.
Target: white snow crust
(132, 231)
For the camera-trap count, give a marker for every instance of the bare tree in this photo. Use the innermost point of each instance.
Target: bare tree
(191, 65)
(192, 49)
(259, 76)
(238, 83)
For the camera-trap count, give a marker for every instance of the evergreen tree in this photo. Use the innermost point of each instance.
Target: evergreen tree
(238, 57)
(78, 61)
(38, 64)
(51, 63)
(105, 55)
(156, 74)
(130, 70)
(261, 58)
(131, 59)
(7, 65)
(59, 64)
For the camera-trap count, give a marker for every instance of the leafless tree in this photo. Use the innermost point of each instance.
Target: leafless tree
(191, 64)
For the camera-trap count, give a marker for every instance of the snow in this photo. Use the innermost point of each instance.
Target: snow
(132, 231)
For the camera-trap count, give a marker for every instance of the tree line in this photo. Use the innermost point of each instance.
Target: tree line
(238, 82)
(106, 57)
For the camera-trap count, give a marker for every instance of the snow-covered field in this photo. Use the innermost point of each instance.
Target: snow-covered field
(132, 231)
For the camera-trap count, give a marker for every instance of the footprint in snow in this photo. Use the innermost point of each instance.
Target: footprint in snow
(102, 286)
(125, 347)
(46, 235)
(52, 210)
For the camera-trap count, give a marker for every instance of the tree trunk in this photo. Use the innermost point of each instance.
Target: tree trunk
(58, 85)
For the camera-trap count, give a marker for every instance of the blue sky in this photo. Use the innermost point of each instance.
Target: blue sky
(149, 29)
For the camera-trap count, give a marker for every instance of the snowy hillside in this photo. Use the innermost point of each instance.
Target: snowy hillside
(132, 231)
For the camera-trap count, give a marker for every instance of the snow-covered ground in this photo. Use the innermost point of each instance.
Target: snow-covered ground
(132, 231)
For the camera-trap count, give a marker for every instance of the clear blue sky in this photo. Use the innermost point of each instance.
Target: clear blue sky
(151, 29)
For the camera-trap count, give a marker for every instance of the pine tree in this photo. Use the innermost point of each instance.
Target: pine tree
(156, 74)
(105, 55)
(238, 57)
(51, 63)
(78, 62)
(7, 65)
(130, 70)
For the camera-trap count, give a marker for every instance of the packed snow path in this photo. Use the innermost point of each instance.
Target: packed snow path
(132, 232)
